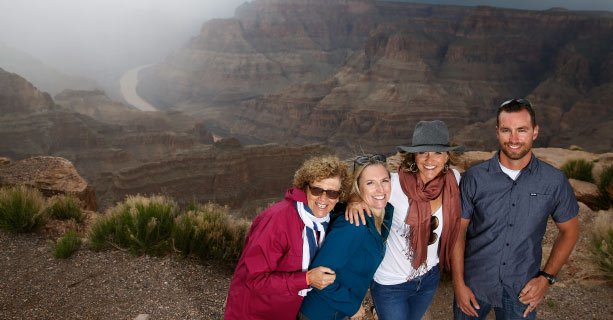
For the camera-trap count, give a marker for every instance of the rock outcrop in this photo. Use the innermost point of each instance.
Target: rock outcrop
(224, 173)
(50, 175)
(358, 75)
(122, 151)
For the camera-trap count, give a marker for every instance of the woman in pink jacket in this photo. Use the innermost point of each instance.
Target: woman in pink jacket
(272, 277)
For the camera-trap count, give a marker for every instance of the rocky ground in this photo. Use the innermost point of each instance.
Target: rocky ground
(116, 285)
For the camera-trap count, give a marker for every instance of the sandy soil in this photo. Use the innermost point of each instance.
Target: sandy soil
(116, 285)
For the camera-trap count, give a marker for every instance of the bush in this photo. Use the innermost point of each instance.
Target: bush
(209, 232)
(64, 207)
(601, 239)
(21, 209)
(605, 186)
(579, 169)
(140, 224)
(67, 245)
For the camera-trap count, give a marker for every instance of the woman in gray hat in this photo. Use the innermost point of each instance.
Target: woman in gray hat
(425, 225)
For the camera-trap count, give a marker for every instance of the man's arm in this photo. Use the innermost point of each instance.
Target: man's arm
(534, 291)
(466, 300)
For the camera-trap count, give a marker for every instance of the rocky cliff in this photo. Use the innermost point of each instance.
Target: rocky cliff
(357, 75)
(121, 151)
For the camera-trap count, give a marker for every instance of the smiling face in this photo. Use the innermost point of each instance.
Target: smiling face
(321, 205)
(375, 186)
(515, 135)
(430, 164)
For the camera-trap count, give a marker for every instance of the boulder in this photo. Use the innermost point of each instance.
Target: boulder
(50, 175)
(586, 192)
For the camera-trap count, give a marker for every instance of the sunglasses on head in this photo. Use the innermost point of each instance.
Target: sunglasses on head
(433, 226)
(317, 191)
(369, 159)
(519, 102)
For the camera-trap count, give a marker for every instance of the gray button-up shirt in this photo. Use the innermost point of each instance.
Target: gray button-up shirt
(507, 223)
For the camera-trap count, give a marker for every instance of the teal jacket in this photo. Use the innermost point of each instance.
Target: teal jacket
(354, 253)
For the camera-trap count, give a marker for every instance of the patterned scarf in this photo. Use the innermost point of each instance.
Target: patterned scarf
(419, 215)
(309, 245)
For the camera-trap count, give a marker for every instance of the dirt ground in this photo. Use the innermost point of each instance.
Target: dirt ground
(116, 285)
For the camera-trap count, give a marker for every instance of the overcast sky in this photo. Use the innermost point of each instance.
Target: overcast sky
(99, 38)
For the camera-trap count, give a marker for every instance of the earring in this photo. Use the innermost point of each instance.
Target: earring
(446, 168)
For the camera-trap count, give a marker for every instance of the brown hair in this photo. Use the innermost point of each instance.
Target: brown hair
(408, 160)
(323, 167)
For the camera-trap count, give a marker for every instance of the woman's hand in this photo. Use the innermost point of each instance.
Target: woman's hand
(321, 277)
(355, 212)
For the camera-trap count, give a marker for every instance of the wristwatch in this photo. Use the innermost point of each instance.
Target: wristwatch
(547, 276)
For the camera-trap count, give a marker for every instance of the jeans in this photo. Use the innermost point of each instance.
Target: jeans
(408, 300)
(301, 316)
(512, 309)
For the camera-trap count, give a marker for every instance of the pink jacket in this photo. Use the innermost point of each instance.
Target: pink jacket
(269, 273)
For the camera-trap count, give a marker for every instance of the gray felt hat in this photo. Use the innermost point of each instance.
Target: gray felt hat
(430, 136)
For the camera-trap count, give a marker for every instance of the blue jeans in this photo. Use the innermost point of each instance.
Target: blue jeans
(408, 300)
(512, 309)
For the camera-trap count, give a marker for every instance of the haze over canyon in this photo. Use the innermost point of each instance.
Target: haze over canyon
(283, 80)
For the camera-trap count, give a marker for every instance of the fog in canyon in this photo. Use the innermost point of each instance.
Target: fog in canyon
(100, 40)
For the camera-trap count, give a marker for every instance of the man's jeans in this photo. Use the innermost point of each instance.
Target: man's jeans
(408, 300)
(512, 309)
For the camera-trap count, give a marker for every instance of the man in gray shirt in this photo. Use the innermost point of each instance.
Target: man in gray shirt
(506, 202)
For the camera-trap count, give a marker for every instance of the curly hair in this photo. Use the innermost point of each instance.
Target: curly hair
(323, 167)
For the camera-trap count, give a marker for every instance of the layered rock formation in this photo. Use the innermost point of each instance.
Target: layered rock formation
(357, 75)
(50, 175)
(122, 151)
(269, 45)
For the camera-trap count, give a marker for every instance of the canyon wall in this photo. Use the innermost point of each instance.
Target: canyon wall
(357, 75)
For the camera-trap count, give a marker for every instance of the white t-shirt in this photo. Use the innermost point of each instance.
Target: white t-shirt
(510, 172)
(396, 267)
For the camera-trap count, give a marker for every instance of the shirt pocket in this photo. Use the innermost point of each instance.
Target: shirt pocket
(540, 204)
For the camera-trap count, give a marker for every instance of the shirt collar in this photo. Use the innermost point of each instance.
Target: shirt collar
(494, 164)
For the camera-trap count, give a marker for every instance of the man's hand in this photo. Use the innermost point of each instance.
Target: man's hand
(466, 300)
(355, 212)
(533, 293)
(321, 277)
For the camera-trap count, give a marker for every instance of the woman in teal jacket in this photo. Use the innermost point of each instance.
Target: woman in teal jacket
(354, 253)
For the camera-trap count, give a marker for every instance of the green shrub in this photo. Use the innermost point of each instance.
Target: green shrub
(579, 169)
(65, 207)
(67, 245)
(21, 209)
(605, 186)
(140, 224)
(601, 239)
(209, 232)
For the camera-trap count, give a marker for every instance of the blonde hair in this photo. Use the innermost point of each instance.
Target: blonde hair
(357, 173)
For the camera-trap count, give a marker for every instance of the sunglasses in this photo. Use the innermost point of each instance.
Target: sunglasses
(317, 191)
(433, 226)
(369, 159)
(519, 102)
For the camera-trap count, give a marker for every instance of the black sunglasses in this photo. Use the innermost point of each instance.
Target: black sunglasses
(317, 191)
(369, 159)
(519, 102)
(433, 226)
